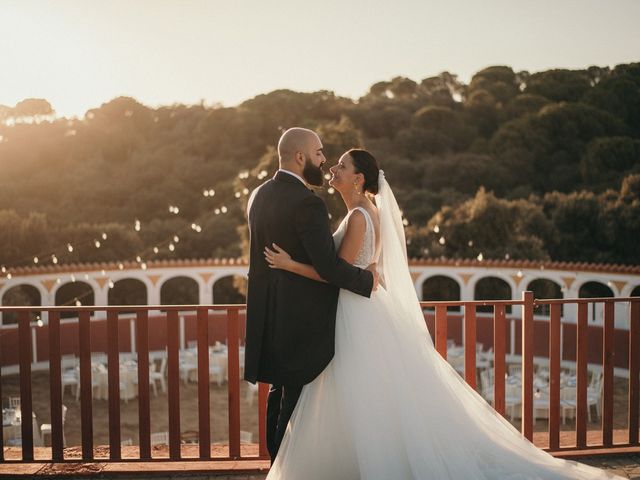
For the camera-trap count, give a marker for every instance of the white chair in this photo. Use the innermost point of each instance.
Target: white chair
(514, 369)
(45, 428)
(486, 384)
(216, 372)
(512, 400)
(127, 442)
(594, 394)
(70, 378)
(160, 438)
(568, 402)
(252, 390)
(158, 374)
(14, 402)
(246, 437)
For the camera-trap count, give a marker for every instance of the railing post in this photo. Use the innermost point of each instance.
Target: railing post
(142, 348)
(86, 401)
(204, 415)
(113, 357)
(263, 394)
(470, 344)
(554, 377)
(441, 330)
(499, 350)
(173, 370)
(581, 373)
(55, 388)
(607, 369)
(233, 382)
(24, 336)
(634, 370)
(527, 365)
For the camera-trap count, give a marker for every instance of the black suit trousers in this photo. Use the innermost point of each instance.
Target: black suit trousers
(280, 405)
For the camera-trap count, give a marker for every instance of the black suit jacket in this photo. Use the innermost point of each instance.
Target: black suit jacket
(291, 319)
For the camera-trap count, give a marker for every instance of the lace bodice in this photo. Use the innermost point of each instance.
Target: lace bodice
(367, 253)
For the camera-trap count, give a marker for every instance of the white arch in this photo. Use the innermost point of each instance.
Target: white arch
(91, 283)
(429, 275)
(548, 278)
(148, 286)
(473, 281)
(38, 286)
(591, 280)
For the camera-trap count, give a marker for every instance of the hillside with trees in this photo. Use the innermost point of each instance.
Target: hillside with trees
(541, 165)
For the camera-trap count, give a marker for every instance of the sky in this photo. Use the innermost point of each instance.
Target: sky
(79, 54)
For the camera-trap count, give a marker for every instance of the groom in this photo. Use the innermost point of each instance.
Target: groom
(291, 319)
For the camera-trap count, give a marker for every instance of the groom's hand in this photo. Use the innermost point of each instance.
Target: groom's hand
(373, 268)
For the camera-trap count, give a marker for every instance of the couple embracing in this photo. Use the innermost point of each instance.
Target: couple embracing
(334, 325)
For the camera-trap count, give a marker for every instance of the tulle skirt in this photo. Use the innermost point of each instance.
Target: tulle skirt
(389, 407)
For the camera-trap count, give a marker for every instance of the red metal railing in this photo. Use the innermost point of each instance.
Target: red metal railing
(609, 353)
(441, 319)
(142, 347)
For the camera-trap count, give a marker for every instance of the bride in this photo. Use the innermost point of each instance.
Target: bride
(388, 406)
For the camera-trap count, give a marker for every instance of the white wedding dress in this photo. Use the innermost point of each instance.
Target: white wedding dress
(388, 406)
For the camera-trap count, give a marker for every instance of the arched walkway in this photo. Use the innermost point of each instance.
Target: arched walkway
(544, 288)
(20, 295)
(595, 289)
(74, 294)
(441, 288)
(179, 291)
(230, 289)
(492, 288)
(128, 291)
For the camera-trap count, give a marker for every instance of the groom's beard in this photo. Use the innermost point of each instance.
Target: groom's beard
(312, 174)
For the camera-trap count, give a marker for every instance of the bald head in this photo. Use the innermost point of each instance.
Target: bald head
(297, 140)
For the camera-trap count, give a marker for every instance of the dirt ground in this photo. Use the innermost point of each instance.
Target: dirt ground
(248, 414)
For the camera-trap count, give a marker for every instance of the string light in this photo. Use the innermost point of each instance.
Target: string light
(137, 225)
(143, 266)
(237, 194)
(480, 257)
(176, 238)
(111, 284)
(436, 229)
(78, 303)
(223, 209)
(138, 259)
(120, 266)
(9, 276)
(54, 259)
(245, 191)
(104, 236)
(69, 247)
(217, 211)
(442, 241)
(97, 243)
(35, 259)
(172, 247)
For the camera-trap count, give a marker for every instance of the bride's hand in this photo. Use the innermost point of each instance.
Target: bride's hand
(277, 258)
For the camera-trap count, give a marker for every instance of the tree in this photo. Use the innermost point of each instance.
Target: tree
(32, 109)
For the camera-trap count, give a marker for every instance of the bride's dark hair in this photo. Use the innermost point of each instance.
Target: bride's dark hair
(366, 164)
